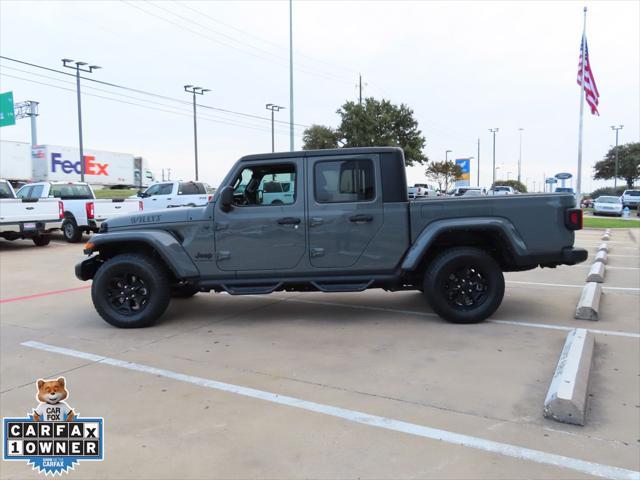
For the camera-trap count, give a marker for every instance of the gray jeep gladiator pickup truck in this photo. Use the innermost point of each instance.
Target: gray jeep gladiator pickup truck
(347, 226)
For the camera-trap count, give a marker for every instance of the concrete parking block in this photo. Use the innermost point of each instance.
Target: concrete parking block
(634, 233)
(601, 257)
(566, 399)
(589, 302)
(596, 273)
(604, 247)
(606, 237)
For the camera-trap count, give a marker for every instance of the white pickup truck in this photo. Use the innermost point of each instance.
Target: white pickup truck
(173, 194)
(28, 218)
(421, 191)
(82, 211)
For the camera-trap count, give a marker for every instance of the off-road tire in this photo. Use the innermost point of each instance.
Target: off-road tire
(464, 285)
(41, 240)
(186, 290)
(146, 281)
(70, 230)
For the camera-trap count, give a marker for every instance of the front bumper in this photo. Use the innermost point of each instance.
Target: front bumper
(87, 268)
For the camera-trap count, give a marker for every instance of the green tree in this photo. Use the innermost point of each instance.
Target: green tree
(515, 184)
(443, 173)
(381, 124)
(319, 137)
(628, 164)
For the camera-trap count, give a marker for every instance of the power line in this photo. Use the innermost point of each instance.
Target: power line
(144, 92)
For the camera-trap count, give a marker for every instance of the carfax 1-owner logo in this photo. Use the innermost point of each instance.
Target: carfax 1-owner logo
(53, 439)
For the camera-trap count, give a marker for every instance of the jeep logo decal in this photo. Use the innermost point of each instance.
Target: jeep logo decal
(145, 219)
(205, 256)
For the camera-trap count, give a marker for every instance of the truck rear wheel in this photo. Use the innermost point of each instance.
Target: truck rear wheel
(70, 230)
(464, 285)
(131, 291)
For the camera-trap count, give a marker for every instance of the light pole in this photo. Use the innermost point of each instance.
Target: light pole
(520, 155)
(195, 91)
(615, 174)
(273, 108)
(478, 162)
(446, 155)
(291, 145)
(79, 67)
(494, 130)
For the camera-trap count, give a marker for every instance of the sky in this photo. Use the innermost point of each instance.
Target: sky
(462, 66)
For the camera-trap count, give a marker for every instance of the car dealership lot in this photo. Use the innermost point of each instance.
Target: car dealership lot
(341, 357)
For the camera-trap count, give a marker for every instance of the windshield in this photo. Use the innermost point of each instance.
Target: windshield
(564, 190)
(608, 200)
(632, 193)
(5, 191)
(71, 191)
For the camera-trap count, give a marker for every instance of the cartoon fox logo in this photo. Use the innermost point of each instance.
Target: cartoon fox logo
(52, 408)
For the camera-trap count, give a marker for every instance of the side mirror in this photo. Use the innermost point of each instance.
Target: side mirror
(226, 198)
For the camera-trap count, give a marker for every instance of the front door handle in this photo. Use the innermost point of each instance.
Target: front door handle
(361, 218)
(289, 221)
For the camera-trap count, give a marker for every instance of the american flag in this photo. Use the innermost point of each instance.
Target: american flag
(590, 89)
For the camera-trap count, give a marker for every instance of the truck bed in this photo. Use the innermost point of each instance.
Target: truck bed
(536, 217)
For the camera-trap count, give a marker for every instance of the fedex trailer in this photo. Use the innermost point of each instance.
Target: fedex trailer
(108, 169)
(15, 161)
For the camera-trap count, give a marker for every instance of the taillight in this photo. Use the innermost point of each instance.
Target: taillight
(90, 211)
(573, 218)
(140, 205)
(209, 198)
(60, 210)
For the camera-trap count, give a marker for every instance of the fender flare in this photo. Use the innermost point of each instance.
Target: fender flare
(430, 233)
(168, 247)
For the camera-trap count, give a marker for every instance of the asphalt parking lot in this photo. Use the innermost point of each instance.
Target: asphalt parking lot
(312, 385)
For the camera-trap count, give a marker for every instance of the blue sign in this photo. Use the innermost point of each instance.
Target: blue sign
(465, 166)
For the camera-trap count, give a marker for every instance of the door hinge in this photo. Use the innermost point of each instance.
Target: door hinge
(315, 221)
(221, 226)
(223, 255)
(317, 252)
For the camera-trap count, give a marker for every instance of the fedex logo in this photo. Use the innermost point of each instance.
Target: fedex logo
(67, 166)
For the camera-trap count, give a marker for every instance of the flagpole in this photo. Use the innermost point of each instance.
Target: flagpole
(580, 127)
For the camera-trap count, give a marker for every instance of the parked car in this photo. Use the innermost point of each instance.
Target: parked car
(31, 219)
(502, 190)
(173, 194)
(350, 227)
(473, 193)
(421, 191)
(565, 190)
(631, 198)
(460, 191)
(587, 202)
(607, 205)
(83, 213)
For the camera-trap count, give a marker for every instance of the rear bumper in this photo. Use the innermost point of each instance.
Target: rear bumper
(572, 256)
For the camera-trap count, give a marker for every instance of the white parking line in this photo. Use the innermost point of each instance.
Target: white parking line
(503, 322)
(624, 289)
(608, 267)
(505, 449)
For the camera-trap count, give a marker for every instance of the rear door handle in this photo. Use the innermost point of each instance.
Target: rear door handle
(29, 208)
(289, 221)
(361, 218)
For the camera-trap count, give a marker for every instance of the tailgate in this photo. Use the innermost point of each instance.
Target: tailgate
(104, 209)
(36, 210)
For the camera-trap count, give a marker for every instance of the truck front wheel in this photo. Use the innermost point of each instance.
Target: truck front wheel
(464, 285)
(131, 291)
(70, 230)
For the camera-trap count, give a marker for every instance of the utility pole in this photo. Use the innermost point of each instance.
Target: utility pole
(79, 67)
(494, 130)
(168, 174)
(28, 108)
(478, 162)
(195, 91)
(615, 174)
(520, 155)
(273, 108)
(446, 155)
(360, 88)
(291, 143)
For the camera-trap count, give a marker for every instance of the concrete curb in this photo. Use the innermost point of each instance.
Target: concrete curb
(634, 233)
(566, 399)
(604, 247)
(589, 302)
(596, 273)
(602, 257)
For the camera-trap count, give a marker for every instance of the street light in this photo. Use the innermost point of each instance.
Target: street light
(520, 155)
(446, 155)
(86, 68)
(615, 175)
(195, 91)
(494, 130)
(273, 108)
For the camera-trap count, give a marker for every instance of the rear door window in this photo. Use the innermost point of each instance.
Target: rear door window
(344, 181)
